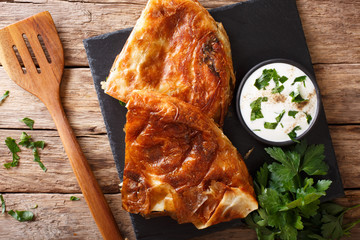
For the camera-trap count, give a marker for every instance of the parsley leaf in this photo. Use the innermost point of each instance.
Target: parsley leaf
(264, 79)
(73, 198)
(283, 79)
(308, 118)
(256, 108)
(313, 163)
(296, 96)
(21, 216)
(4, 96)
(278, 118)
(300, 79)
(29, 122)
(278, 89)
(122, 103)
(27, 142)
(273, 125)
(292, 135)
(14, 149)
(270, 125)
(289, 205)
(3, 207)
(292, 113)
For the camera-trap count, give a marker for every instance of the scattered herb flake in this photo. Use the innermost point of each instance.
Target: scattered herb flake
(3, 207)
(281, 125)
(256, 108)
(256, 130)
(278, 89)
(28, 122)
(296, 96)
(4, 96)
(27, 142)
(73, 198)
(308, 118)
(292, 113)
(35, 206)
(21, 216)
(270, 125)
(283, 79)
(122, 103)
(300, 79)
(14, 149)
(273, 125)
(292, 135)
(263, 81)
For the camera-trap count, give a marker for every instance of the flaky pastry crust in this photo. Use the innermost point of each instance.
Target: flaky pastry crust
(179, 163)
(177, 48)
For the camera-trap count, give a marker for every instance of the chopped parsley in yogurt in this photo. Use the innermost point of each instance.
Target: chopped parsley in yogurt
(278, 102)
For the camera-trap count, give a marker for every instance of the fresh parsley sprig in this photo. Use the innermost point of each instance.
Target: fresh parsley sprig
(288, 196)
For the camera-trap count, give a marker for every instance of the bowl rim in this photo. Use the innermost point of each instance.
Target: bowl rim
(244, 80)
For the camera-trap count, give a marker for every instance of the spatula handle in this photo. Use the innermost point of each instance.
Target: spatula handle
(85, 177)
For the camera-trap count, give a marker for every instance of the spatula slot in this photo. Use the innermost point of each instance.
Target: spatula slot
(17, 54)
(41, 40)
(33, 57)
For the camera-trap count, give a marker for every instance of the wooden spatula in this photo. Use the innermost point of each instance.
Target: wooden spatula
(32, 55)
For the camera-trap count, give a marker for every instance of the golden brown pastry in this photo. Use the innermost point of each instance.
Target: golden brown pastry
(176, 48)
(179, 163)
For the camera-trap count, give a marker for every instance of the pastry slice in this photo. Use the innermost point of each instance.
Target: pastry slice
(176, 48)
(179, 163)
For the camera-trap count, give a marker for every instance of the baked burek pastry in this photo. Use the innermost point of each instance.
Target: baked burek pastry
(179, 163)
(176, 48)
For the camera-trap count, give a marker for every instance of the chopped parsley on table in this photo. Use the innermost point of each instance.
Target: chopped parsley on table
(73, 198)
(21, 216)
(256, 108)
(4, 96)
(27, 142)
(14, 149)
(28, 122)
(3, 206)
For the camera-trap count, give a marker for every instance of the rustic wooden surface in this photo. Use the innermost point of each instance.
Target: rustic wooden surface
(332, 30)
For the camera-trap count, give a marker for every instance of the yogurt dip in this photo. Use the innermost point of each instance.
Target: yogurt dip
(278, 102)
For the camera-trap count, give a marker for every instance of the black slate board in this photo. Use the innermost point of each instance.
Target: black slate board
(258, 30)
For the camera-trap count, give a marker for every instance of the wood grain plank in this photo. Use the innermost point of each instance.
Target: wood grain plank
(59, 218)
(331, 27)
(339, 85)
(340, 91)
(29, 178)
(78, 96)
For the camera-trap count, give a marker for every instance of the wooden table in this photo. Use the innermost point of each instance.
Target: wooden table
(332, 30)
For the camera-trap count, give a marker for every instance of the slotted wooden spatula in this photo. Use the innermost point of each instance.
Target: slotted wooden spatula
(33, 57)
